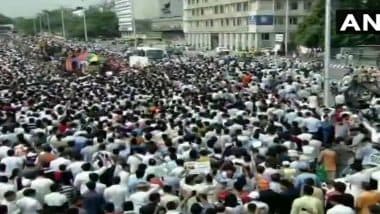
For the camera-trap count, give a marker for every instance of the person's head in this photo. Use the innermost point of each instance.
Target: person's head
(251, 208)
(29, 192)
(116, 180)
(231, 200)
(340, 187)
(308, 190)
(154, 197)
(91, 186)
(171, 205)
(72, 210)
(128, 206)
(86, 167)
(94, 177)
(10, 196)
(11, 152)
(310, 182)
(167, 189)
(109, 208)
(366, 186)
(54, 187)
(3, 179)
(196, 208)
(3, 209)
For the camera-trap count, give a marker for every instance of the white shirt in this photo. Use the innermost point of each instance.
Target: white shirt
(29, 205)
(12, 163)
(11, 206)
(99, 188)
(312, 124)
(141, 198)
(116, 194)
(42, 187)
(76, 167)
(55, 199)
(340, 209)
(5, 187)
(54, 164)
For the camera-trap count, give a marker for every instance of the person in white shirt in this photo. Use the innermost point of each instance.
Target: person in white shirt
(116, 194)
(5, 186)
(28, 204)
(141, 196)
(12, 162)
(55, 201)
(312, 124)
(42, 186)
(340, 209)
(83, 177)
(168, 196)
(11, 203)
(99, 187)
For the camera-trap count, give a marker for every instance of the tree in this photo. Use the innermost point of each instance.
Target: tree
(310, 33)
(100, 23)
(5, 20)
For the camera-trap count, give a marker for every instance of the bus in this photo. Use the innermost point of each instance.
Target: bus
(6, 29)
(150, 52)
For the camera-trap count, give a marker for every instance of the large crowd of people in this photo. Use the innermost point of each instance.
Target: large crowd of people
(200, 135)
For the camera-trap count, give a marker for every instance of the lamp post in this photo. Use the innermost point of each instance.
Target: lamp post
(327, 52)
(63, 24)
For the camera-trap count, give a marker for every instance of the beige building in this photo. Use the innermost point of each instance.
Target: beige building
(241, 24)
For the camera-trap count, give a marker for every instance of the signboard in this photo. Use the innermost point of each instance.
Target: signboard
(195, 167)
(279, 37)
(261, 20)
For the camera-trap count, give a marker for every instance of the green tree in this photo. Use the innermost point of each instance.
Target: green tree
(310, 32)
(5, 20)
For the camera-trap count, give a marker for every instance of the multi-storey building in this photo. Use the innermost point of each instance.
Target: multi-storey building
(140, 10)
(170, 21)
(241, 24)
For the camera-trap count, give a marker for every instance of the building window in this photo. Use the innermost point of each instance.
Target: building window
(211, 23)
(197, 1)
(221, 9)
(205, 1)
(197, 23)
(293, 20)
(193, 12)
(233, 22)
(188, 1)
(206, 23)
(279, 20)
(265, 36)
(202, 11)
(279, 5)
(294, 5)
(238, 20)
(222, 22)
(216, 9)
(238, 7)
(227, 22)
(307, 5)
(245, 6)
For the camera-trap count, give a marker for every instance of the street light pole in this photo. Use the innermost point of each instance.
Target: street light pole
(286, 27)
(133, 23)
(39, 16)
(34, 26)
(63, 24)
(48, 21)
(85, 25)
(327, 52)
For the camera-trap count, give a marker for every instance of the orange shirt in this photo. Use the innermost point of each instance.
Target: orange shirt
(367, 199)
(329, 159)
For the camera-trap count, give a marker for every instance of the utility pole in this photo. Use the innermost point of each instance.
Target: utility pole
(327, 52)
(63, 24)
(286, 27)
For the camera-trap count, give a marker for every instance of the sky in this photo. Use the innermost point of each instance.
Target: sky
(29, 8)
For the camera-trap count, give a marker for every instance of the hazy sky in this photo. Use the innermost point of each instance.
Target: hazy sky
(29, 8)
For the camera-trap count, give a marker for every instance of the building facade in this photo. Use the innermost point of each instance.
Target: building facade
(170, 20)
(141, 10)
(241, 24)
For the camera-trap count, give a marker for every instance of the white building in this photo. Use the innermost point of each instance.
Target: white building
(127, 10)
(240, 24)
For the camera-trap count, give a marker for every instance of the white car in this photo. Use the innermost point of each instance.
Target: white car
(222, 50)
